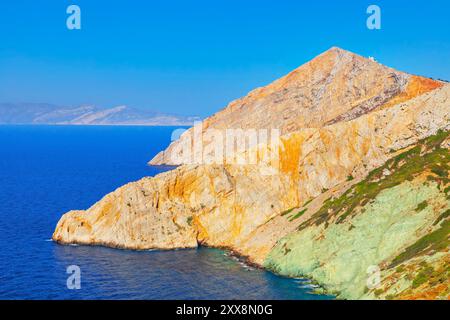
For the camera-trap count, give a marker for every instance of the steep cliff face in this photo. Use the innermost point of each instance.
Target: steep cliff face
(214, 205)
(226, 206)
(334, 87)
(396, 220)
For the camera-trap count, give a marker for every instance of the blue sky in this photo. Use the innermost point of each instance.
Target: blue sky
(195, 56)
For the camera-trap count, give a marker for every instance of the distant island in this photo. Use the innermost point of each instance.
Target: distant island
(50, 114)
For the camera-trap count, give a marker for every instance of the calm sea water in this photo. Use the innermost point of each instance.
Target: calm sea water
(46, 171)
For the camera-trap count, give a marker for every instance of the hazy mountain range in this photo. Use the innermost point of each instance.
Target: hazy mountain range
(44, 113)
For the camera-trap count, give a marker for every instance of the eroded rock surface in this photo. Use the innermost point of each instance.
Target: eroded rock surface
(334, 87)
(396, 224)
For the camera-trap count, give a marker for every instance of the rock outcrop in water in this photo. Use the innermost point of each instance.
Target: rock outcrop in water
(351, 185)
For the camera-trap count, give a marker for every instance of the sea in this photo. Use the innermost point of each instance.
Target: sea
(46, 171)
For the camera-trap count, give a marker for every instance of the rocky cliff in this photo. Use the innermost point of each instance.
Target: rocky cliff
(396, 219)
(336, 86)
(363, 188)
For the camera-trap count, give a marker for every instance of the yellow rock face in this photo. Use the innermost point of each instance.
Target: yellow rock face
(177, 209)
(239, 206)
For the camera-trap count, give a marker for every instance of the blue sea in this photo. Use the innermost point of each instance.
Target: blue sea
(46, 171)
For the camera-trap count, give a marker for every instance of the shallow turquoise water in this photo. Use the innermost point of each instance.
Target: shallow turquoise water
(46, 171)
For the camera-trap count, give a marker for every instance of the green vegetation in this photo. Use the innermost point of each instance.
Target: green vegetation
(439, 276)
(422, 206)
(287, 212)
(439, 172)
(350, 178)
(423, 276)
(434, 241)
(308, 202)
(189, 220)
(298, 215)
(400, 269)
(443, 216)
(378, 292)
(286, 250)
(426, 155)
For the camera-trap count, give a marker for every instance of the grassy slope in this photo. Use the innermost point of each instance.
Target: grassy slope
(398, 216)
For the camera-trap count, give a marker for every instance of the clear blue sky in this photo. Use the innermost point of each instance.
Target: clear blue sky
(194, 56)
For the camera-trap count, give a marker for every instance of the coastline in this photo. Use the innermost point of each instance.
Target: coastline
(229, 252)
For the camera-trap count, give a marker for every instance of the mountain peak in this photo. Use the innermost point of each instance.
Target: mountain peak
(336, 86)
(337, 49)
(341, 55)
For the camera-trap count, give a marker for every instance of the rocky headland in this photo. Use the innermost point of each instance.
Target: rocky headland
(361, 183)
